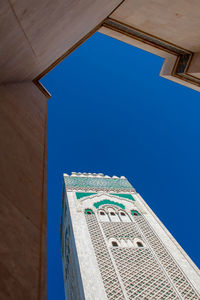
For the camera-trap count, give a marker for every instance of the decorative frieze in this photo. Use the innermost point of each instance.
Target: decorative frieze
(88, 183)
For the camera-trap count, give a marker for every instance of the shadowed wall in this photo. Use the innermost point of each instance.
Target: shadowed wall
(23, 112)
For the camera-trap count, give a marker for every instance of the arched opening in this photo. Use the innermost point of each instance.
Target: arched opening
(88, 211)
(124, 216)
(103, 216)
(140, 244)
(113, 215)
(135, 213)
(114, 244)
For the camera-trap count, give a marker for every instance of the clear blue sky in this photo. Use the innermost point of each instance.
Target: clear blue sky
(110, 112)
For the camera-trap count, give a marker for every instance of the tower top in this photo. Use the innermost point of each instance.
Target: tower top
(96, 175)
(96, 182)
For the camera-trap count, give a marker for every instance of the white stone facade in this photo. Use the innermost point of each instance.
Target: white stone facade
(114, 247)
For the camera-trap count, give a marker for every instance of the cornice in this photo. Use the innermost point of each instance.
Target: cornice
(184, 56)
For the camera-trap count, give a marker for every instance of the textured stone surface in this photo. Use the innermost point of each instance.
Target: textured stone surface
(34, 34)
(19, 252)
(177, 23)
(22, 136)
(23, 191)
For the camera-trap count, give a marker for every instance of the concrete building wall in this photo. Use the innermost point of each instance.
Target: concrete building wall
(175, 22)
(23, 113)
(35, 34)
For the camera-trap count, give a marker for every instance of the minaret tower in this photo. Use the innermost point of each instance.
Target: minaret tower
(114, 247)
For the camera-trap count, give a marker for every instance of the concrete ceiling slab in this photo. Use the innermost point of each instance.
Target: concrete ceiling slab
(34, 34)
(177, 21)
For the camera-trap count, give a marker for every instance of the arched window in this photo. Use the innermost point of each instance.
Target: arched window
(113, 215)
(124, 217)
(88, 211)
(139, 244)
(135, 213)
(114, 244)
(103, 216)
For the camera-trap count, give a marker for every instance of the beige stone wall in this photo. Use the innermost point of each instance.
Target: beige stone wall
(23, 112)
(36, 33)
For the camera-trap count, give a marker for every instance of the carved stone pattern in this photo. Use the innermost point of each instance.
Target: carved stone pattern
(175, 273)
(98, 184)
(142, 275)
(109, 276)
(88, 189)
(120, 230)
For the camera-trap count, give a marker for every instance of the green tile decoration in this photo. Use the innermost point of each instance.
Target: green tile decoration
(94, 183)
(135, 211)
(127, 196)
(81, 195)
(103, 202)
(88, 210)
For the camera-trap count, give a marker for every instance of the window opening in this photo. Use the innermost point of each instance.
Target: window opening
(112, 214)
(88, 211)
(123, 214)
(114, 244)
(102, 213)
(135, 213)
(139, 244)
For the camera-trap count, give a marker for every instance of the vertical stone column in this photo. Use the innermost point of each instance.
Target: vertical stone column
(23, 117)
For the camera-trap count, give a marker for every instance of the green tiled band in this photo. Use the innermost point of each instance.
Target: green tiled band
(103, 202)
